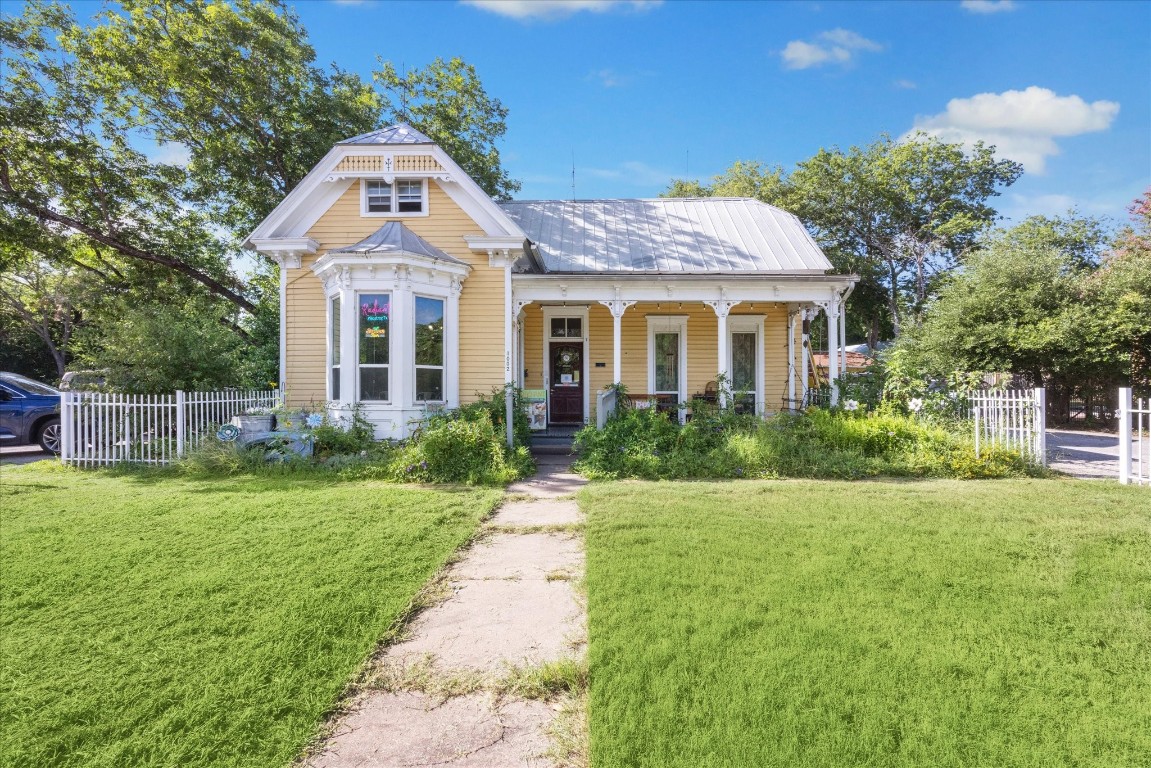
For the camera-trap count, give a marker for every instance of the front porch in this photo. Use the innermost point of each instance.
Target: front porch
(669, 342)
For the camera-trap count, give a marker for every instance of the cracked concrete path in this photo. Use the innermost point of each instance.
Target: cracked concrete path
(511, 603)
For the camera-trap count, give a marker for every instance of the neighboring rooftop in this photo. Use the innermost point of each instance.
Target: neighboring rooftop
(394, 237)
(400, 133)
(667, 236)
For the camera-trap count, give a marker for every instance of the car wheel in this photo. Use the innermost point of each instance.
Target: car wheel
(49, 437)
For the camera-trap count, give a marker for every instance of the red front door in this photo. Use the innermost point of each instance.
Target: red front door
(566, 383)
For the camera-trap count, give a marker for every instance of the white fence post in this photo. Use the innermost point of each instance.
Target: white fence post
(975, 413)
(1124, 435)
(181, 425)
(1041, 426)
(65, 427)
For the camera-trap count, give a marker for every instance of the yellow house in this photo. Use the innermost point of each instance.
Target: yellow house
(403, 286)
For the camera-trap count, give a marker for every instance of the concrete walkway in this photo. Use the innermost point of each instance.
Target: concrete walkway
(1085, 455)
(510, 605)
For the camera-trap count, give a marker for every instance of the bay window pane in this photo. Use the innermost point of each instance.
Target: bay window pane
(375, 311)
(429, 331)
(334, 345)
(429, 384)
(373, 383)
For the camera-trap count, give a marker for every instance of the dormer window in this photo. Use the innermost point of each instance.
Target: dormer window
(403, 197)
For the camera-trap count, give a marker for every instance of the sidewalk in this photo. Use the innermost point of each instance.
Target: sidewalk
(441, 696)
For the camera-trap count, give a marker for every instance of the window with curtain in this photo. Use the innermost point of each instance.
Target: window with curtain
(743, 359)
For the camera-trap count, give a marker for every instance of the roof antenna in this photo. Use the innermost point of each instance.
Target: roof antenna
(573, 174)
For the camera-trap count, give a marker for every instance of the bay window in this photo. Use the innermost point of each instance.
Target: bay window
(334, 348)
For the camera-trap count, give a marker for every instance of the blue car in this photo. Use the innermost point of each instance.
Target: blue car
(29, 412)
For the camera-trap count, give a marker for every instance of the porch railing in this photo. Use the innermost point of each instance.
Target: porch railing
(104, 428)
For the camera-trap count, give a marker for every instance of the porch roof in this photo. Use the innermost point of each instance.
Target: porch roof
(684, 236)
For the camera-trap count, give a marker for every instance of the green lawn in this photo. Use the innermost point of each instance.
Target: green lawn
(940, 623)
(154, 620)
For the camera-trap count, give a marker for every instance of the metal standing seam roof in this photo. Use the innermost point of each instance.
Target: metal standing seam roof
(400, 133)
(394, 237)
(667, 235)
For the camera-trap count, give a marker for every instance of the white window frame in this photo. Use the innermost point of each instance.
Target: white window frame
(391, 345)
(749, 324)
(550, 312)
(335, 342)
(442, 367)
(668, 324)
(393, 185)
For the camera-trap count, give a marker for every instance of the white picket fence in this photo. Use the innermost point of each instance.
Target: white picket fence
(103, 428)
(1011, 419)
(1134, 439)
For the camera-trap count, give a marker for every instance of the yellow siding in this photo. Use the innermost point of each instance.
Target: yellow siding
(702, 353)
(481, 302)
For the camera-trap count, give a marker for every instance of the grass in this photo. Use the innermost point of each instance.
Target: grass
(914, 623)
(151, 619)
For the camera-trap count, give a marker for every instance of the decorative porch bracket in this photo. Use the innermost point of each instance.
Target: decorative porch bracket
(722, 309)
(617, 307)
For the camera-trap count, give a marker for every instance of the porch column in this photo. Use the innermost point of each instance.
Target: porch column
(617, 307)
(509, 318)
(805, 316)
(791, 314)
(722, 310)
(843, 337)
(832, 312)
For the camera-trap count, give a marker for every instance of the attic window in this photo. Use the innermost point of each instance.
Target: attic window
(405, 196)
(378, 196)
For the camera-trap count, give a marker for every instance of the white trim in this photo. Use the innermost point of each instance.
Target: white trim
(395, 213)
(283, 375)
(652, 289)
(581, 312)
(667, 324)
(319, 190)
(750, 324)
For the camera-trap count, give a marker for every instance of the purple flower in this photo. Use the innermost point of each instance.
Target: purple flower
(739, 471)
(423, 465)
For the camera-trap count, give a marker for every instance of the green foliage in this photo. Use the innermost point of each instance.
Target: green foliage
(817, 444)
(159, 348)
(1033, 301)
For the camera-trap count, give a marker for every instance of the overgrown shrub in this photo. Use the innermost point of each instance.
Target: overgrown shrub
(816, 444)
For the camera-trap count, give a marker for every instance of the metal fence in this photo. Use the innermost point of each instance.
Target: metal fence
(102, 428)
(1011, 419)
(1134, 439)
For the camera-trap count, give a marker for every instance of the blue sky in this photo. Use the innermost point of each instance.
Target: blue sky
(643, 91)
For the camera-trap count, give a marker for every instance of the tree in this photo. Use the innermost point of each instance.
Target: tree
(447, 102)
(235, 88)
(1032, 302)
(899, 214)
(903, 212)
(233, 83)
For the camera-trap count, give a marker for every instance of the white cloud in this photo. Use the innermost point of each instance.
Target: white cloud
(907, 85)
(550, 10)
(1023, 125)
(988, 6)
(836, 46)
